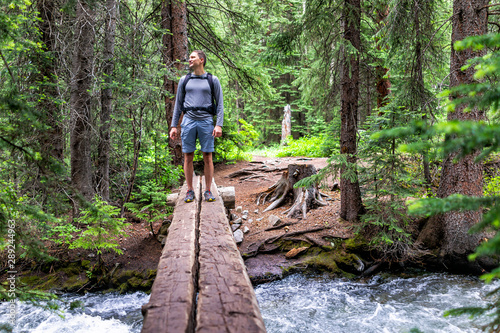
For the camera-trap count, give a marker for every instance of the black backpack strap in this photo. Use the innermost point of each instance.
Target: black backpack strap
(214, 102)
(183, 89)
(212, 108)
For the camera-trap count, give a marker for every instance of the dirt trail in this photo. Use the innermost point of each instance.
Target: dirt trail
(326, 217)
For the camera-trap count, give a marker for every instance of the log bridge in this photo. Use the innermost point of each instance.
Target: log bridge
(201, 283)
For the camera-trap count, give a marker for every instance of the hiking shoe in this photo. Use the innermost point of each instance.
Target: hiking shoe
(189, 196)
(209, 196)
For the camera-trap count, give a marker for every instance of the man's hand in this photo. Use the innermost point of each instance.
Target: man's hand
(173, 133)
(217, 132)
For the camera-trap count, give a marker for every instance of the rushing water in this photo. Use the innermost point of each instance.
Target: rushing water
(307, 304)
(91, 313)
(294, 304)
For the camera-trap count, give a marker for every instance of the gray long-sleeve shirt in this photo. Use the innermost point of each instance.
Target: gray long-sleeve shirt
(198, 94)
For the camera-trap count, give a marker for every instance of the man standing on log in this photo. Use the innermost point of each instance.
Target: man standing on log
(199, 97)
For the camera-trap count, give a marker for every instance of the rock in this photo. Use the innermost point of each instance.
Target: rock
(250, 220)
(227, 194)
(256, 211)
(161, 238)
(237, 221)
(238, 209)
(244, 217)
(260, 219)
(164, 227)
(274, 220)
(238, 236)
(245, 212)
(233, 217)
(295, 252)
(235, 227)
(246, 230)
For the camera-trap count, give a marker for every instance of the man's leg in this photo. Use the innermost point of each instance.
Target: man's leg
(208, 169)
(189, 169)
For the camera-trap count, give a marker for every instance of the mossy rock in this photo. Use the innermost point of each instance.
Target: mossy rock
(123, 276)
(147, 284)
(71, 269)
(135, 282)
(355, 244)
(150, 274)
(85, 264)
(75, 283)
(123, 288)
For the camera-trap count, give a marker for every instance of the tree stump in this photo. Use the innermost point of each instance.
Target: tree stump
(304, 198)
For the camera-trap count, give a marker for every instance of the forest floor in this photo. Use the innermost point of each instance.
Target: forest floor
(142, 251)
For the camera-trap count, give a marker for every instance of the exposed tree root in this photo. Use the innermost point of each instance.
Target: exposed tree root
(304, 198)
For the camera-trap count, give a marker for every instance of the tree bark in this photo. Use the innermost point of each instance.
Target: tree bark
(107, 97)
(51, 139)
(81, 121)
(350, 200)
(383, 83)
(286, 124)
(465, 176)
(175, 55)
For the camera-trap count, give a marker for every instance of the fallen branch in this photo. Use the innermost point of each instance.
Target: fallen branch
(281, 226)
(294, 233)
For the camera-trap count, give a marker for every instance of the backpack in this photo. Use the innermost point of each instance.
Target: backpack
(210, 109)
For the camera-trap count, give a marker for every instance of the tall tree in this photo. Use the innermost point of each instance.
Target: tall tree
(81, 118)
(449, 231)
(175, 54)
(52, 140)
(351, 206)
(107, 97)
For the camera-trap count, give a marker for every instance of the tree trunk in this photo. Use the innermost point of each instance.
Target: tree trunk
(383, 83)
(286, 124)
(51, 139)
(419, 80)
(350, 200)
(81, 122)
(107, 97)
(175, 55)
(465, 176)
(304, 198)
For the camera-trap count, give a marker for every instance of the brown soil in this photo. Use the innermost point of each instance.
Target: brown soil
(246, 195)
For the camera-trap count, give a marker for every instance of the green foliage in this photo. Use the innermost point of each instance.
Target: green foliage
(305, 146)
(102, 227)
(149, 204)
(236, 141)
(155, 163)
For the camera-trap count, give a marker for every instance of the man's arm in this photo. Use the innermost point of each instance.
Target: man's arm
(220, 103)
(178, 98)
(177, 110)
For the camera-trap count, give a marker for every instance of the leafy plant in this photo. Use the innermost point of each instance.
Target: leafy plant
(311, 146)
(103, 227)
(149, 204)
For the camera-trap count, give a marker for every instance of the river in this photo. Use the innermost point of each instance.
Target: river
(297, 303)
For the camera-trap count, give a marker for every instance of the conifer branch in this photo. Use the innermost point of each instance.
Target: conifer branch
(8, 68)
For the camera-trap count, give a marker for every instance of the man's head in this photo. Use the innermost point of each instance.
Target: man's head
(196, 58)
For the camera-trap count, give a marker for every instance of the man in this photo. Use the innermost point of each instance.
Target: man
(196, 99)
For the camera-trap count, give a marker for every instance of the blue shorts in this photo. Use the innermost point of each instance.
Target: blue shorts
(193, 129)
